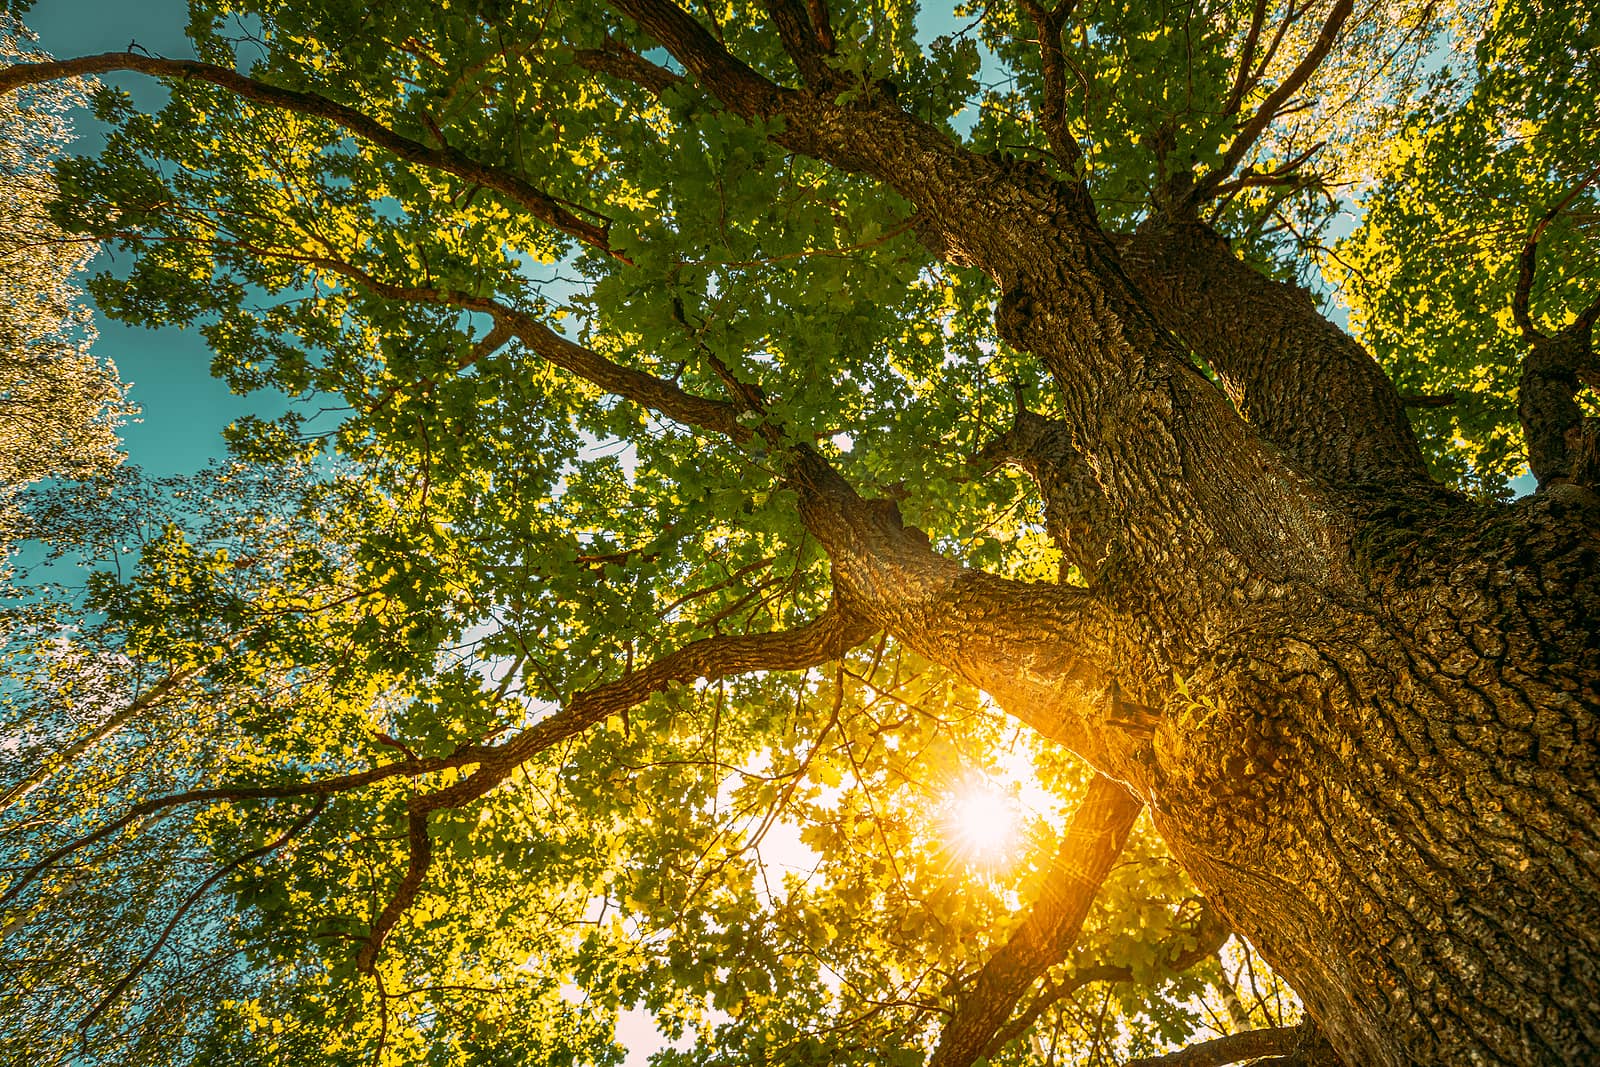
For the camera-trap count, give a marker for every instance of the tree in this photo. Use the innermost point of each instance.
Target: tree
(728, 437)
(59, 406)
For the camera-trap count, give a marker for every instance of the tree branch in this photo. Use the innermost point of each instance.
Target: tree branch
(1563, 445)
(183, 909)
(1526, 261)
(619, 62)
(1250, 1044)
(530, 198)
(733, 82)
(1309, 387)
(1252, 130)
(1037, 648)
(802, 42)
(1099, 830)
(1427, 400)
(822, 23)
(1210, 934)
(324, 787)
(1049, 24)
(633, 385)
(1242, 80)
(828, 637)
(420, 856)
(1076, 513)
(1285, 174)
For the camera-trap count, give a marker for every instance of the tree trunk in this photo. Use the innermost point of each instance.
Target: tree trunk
(1386, 775)
(1389, 784)
(1397, 803)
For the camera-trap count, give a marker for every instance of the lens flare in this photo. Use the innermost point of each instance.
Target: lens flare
(981, 824)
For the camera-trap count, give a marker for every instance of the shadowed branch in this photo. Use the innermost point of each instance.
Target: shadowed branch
(829, 637)
(1209, 934)
(1288, 1046)
(1093, 841)
(802, 41)
(1049, 24)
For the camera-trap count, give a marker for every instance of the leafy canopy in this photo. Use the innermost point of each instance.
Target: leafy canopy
(446, 228)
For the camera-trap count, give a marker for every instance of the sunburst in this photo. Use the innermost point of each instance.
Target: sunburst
(982, 824)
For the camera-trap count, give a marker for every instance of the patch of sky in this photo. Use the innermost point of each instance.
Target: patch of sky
(937, 23)
(183, 408)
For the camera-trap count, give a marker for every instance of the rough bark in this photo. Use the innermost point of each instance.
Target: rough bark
(1563, 444)
(1387, 780)
(1398, 805)
(1076, 514)
(1308, 386)
(1390, 784)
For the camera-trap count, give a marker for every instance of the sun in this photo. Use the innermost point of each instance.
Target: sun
(981, 824)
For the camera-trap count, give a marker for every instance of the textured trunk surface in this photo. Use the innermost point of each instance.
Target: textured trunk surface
(1398, 804)
(1390, 785)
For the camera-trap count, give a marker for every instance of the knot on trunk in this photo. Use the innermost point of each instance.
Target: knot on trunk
(1013, 316)
(1076, 513)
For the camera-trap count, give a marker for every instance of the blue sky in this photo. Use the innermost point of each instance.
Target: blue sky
(184, 408)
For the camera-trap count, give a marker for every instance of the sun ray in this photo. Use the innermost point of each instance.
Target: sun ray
(981, 823)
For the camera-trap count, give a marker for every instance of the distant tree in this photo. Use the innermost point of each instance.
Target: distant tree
(724, 440)
(59, 404)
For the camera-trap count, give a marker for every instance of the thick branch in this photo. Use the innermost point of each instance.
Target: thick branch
(1170, 452)
(525, 195)
(829, 637)
(1049, 23)
(1037, 648)
(822, 23)
(620, 62)
(1250, 1044)
(1309, 387)
(1563, 445)
(1527, 259)
(420, 847)
(1076, 514)
(1209, 933)
(735, 83)
(801, 41)
(1099, 830)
